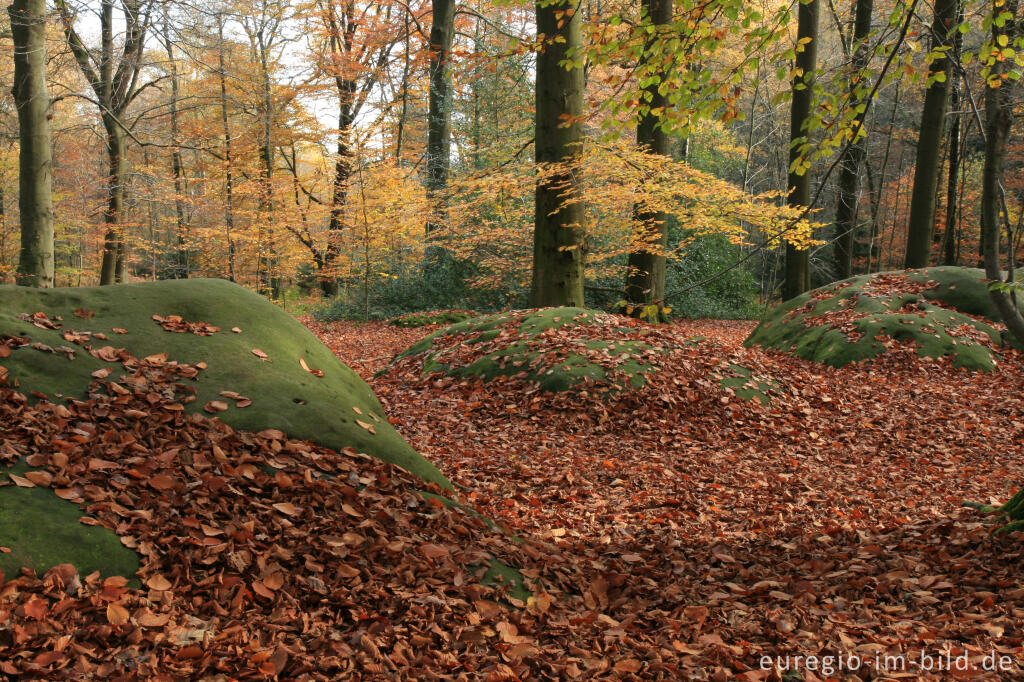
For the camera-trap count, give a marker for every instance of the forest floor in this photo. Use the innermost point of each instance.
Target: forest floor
(717, 537)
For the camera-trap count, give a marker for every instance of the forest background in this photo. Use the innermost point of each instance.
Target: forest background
(381, 154)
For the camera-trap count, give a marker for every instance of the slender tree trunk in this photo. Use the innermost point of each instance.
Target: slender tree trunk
(181, 269)
(439, 117)
(952, 213)
(798, 262)
(929, 142)
(999, 104)
(404, 115)
(113, 266)
(270, 282)
(35, 165)
(853, 155)
(645, 276)
(342, 179)
(229, 211)
(559, 247)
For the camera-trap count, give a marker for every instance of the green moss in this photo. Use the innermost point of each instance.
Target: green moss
(746, 386)
(904, 316)
(412, 320)
(285, 396)
(42, 531)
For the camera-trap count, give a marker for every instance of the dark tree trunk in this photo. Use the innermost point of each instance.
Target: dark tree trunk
(114, 264)
(853, 155)
(798, 265)
(558, 235)
(35, 156)
(439, 118)
(929, 142)
(181, 269)
(952, 212)
(999, 104)
(645, 276)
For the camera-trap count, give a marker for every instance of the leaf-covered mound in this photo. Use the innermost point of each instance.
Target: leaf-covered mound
(945, 311)
(570, 350)
(557, 348)
(255, 366)
(260, 555)
(431, 317)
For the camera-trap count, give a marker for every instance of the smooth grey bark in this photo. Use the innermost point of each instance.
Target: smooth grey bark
(853, 154)
(35, 156)
(645, 275)
(921, 223)
(559, 240)
(439, 116)
(798, 262)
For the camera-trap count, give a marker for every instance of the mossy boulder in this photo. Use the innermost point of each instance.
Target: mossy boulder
(558, 348)
(945, 311)
(271, 360)
(431, 317)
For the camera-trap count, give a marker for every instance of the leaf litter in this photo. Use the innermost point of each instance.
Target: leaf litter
(673, 532)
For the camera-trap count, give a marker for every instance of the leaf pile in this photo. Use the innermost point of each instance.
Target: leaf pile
(828, 522)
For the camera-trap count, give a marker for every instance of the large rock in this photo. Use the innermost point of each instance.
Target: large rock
(265, 361)
(945, 311)
(58, 353)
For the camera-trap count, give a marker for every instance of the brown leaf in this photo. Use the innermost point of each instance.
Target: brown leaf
(117, 614)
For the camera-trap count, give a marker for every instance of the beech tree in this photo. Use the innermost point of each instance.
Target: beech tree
(559, 241)
(35, 163)
(921, 223)
(439, 118)
(113, 75)
(853, 154)
(645, 276)
(798, 268)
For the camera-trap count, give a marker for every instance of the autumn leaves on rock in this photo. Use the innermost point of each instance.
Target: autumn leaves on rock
(256, 367)
(943, 311)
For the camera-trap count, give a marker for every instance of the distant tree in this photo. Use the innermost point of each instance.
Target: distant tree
(853, 154)
(35, 164)
(113, 75)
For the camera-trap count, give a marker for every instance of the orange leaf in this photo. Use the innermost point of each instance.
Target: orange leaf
(117, 614)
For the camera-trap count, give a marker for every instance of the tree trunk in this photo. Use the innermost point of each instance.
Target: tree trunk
(229, 211)
(558, 235)
(439, 116)
(35, 157)
(339, 198)
(853, 155)
(645, 276)
(798, 262)
(113, 267)
(929, 142)
(998, 119)
(181, 269)
(952, 217)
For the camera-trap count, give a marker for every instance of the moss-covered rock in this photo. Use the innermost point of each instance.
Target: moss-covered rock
(945, 311)
(558, 348)
(431, 317)
(251, 349)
